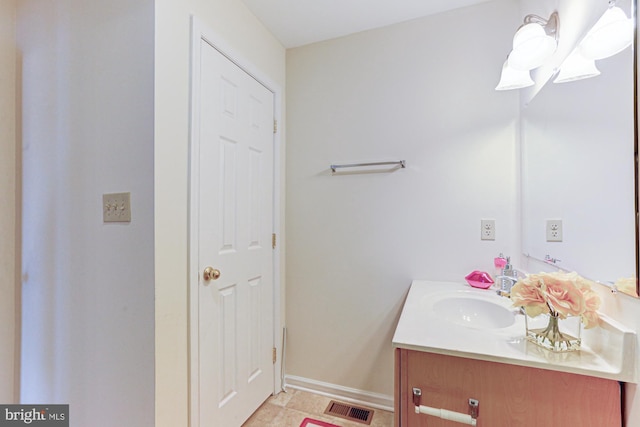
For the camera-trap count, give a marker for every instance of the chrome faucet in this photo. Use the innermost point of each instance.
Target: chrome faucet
(507, 279)
(506, 283)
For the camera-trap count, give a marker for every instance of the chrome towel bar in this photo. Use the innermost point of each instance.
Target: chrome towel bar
(400, 163)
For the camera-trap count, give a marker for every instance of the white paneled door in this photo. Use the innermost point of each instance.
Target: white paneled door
(234, 194)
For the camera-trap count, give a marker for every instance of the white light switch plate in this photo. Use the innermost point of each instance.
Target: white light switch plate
(116, 207)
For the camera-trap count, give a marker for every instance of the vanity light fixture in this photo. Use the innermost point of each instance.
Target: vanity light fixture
(576, 67)
(513, 79)
(610, 35)
(534, 42)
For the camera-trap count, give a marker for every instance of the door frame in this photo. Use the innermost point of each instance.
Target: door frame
(200, 32)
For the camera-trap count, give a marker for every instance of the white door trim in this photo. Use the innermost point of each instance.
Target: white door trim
(200, 32)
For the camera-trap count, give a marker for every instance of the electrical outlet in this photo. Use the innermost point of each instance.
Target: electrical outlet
(116, 207)
(554, 230)
(488, 229)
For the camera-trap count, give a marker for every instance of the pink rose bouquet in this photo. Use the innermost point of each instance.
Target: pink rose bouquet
(558, 294)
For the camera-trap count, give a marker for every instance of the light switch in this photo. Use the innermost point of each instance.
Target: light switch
(116, 207)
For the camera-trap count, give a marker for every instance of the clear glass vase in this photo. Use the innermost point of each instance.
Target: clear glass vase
(553, 333)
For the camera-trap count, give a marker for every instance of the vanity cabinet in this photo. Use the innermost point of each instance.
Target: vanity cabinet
(508, 395)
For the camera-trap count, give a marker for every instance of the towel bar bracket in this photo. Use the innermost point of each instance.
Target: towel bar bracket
(474, 408)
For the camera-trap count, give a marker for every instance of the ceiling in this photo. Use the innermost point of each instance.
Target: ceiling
(300, 22)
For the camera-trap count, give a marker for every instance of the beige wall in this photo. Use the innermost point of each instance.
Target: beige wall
(421, 91)
(9, 236)
(244, 33)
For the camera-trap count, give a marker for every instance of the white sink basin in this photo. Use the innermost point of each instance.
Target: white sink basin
(474, 312)
(458, 320)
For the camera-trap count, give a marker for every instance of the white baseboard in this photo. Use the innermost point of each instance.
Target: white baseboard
(345, 394)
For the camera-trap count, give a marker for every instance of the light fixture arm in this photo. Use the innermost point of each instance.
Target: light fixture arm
(531, 18)
(550, 25)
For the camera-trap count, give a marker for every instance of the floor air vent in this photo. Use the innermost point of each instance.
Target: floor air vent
(349, 412)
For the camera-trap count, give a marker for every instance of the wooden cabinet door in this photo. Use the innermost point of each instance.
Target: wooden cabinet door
(509, 395)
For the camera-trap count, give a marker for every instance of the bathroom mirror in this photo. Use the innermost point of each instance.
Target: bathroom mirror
(578, 143)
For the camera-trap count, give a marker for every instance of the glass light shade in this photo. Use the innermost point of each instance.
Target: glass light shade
(612, 34)
(576, 67)
(531, 47)
(513, 79)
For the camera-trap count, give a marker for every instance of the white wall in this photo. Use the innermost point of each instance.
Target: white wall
(9, 184)
(88, 301)
(577, 141)
(243, 32)
(422, 91)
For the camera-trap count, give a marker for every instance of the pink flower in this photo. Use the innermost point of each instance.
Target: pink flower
(561, 294)
(564, 296)
(592, 304)
(527, 293)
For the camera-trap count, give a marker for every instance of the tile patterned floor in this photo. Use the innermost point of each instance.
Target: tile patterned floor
(289, 409)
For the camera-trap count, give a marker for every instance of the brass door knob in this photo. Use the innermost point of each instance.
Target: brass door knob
(210, 273)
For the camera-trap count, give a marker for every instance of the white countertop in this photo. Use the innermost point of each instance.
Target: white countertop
(606, 352)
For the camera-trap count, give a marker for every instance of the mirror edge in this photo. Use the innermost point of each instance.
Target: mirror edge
(634, 4)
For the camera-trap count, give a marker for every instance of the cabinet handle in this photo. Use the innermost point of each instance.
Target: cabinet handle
(468, 419)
